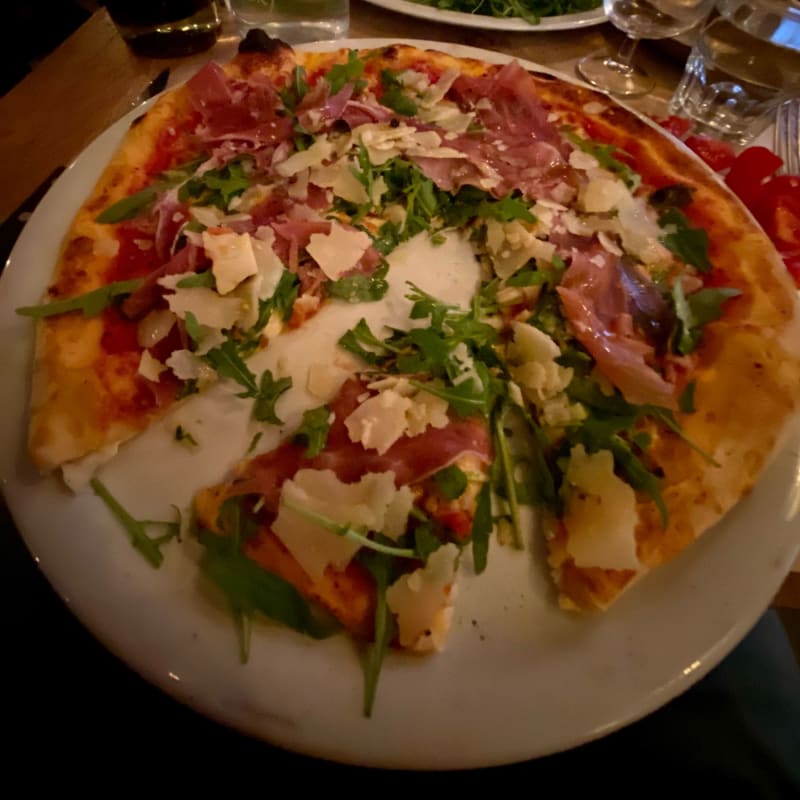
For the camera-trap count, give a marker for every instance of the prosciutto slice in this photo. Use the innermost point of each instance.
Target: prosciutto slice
(410, 458)
(596, 304)
(187, 259)
(517, 149)
(232, 109)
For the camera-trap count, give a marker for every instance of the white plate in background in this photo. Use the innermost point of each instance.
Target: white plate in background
(582, 19)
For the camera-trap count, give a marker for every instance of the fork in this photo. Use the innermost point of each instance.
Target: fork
(787, 135)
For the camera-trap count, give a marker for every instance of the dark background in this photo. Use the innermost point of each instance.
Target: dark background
(33, 29)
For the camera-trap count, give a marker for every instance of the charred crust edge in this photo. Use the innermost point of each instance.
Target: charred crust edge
(259, 41)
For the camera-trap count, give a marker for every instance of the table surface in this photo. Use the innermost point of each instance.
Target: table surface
(92, 79)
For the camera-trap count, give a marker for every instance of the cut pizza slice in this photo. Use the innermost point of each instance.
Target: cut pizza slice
(201, 240)
(383, 481)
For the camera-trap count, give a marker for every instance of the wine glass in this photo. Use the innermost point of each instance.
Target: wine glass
(639, 19)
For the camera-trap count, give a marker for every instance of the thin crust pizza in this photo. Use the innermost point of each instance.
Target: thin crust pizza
(626, 363)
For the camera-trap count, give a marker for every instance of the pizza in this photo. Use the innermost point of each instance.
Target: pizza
(485, 290)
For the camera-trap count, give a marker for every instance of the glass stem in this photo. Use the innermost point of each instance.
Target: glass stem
(626, 51)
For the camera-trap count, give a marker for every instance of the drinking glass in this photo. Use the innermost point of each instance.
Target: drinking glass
(743, 65)
(639, 19)
(293, 21)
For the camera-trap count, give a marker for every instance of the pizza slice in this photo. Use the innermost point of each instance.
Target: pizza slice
(198, 244)
(364, 510)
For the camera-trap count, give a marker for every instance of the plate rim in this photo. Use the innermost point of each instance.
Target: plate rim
(562, 22)
(707, 660)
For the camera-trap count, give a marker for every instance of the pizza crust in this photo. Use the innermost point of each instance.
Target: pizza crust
(83, 398)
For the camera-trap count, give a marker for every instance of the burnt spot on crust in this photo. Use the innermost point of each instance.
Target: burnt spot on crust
(259, 41)
(390, 52)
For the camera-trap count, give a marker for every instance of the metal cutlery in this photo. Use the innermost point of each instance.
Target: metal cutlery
(787, 135)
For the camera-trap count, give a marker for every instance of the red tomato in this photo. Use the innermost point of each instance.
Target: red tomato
(778, 211)
(750, 170)
(677, 126)
(717, 154)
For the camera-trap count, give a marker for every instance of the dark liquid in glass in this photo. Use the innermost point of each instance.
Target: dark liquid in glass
(161, 28)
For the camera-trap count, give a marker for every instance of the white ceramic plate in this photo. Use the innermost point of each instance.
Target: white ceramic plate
(519, 677)
(584, 19)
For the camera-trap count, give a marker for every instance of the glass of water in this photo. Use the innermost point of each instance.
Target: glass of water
(293, 21)
(639, 19)
(743, 65)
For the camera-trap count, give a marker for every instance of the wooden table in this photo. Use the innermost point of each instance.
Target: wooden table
(92, 79)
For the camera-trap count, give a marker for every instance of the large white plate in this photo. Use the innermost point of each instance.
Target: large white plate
(583, 19)
(519, 677)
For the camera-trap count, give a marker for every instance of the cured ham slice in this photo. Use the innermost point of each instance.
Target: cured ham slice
(412, 459)
(148, 294)
(596, 304)
(233, 109)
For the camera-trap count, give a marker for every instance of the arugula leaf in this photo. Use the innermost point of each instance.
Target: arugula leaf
(297, 88)
(203, 279)
(540, 489)
(531, 275)
(216, 187)
(637, 475)
(189, 387)
(133, 205)
(227, 362)
(381, 569)
(506, 209)
(269, 390)
(688, 243)
(389, 236)
(193, 327)
(451, 482)
(314, 430)
(182, 435)
(482, 525)
(355, 339)
(474, 396)
(128, 207)
(250, 588)
(695, 311)
(350, 72)
(346, 531)
(254, 442)
(507, 481)
(89, 304)
(605, 155)
(360, 288)
(148, 546)
(425, 541)
(393, 96)
(686, 400)
(281, 303)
